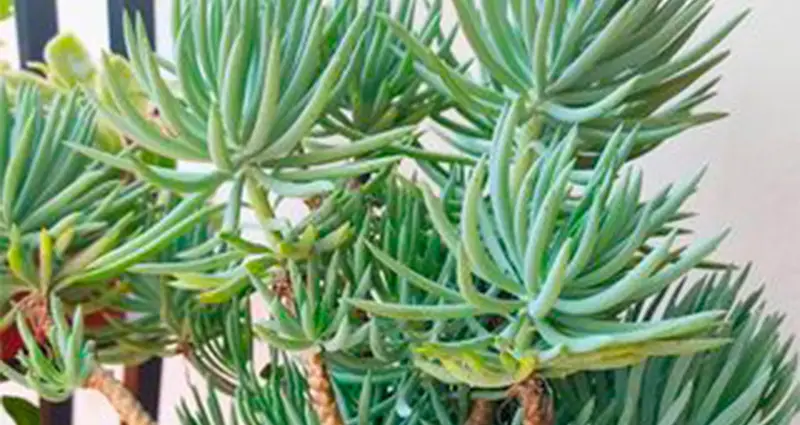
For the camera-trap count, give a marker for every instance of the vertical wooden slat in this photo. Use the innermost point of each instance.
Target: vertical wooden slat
(55, 413)
(37, 23)
(116, 9)
(145, 381)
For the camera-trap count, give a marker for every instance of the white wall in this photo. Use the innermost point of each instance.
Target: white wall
(753, 184)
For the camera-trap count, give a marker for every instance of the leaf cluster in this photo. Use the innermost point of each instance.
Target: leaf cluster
(531, 253)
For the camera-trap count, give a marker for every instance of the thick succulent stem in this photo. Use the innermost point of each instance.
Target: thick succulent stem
(319, 386)
(537, 406)
(127, 406)
(320, 391)
(481, 412)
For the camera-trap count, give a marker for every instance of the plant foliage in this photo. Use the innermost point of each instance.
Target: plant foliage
(526, 279)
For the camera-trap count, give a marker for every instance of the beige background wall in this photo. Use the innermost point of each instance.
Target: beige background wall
(753, 184)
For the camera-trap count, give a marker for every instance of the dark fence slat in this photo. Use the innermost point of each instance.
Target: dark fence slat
(116, 10)
(55, 413)
(144, 381)
(37, 23)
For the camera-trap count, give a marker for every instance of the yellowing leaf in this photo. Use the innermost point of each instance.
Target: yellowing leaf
(6, 9)
(69, 61)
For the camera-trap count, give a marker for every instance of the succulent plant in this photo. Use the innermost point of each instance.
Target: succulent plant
(61, 208)
(559, 255)
(246, 98)
(525, 279)
(71, 228)
(749, 380)
(596, 64)
(383, 91)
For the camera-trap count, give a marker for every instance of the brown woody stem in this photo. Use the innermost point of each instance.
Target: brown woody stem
(127, 406)
(320, 391)
(319, 386)
(537, 406)
(481, 412)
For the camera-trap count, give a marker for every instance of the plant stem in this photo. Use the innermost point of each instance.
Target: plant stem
(481, 412)
(537, 406)
(127, 406)
(319, 386)
(35, 307)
